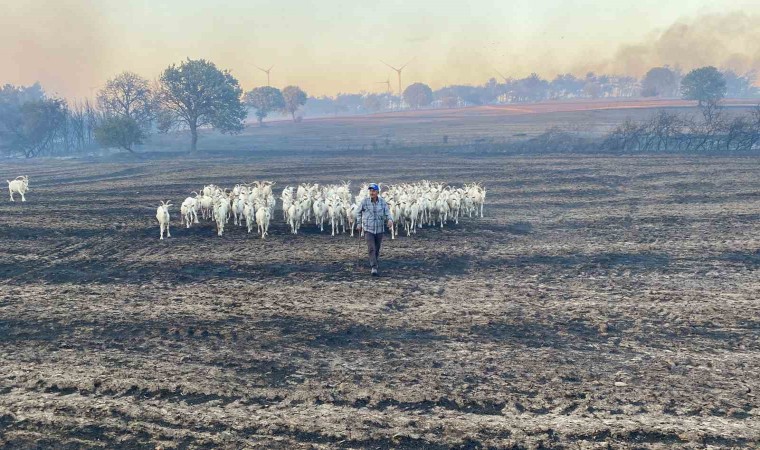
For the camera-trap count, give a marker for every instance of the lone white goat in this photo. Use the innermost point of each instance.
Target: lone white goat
(20, 185)
(262, 219)
(162, 215)
(220, 214)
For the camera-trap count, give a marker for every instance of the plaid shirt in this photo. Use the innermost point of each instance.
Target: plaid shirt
(372, 216)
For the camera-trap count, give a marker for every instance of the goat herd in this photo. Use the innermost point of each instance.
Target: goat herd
(253, 205)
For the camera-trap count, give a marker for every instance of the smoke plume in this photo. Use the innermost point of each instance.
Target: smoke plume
(726, 41)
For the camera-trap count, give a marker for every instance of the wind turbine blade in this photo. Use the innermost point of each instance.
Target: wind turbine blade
(402, 67)
(390, 65)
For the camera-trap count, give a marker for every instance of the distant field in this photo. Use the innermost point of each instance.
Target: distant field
(498, 123)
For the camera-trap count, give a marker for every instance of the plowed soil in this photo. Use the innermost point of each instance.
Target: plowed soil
(600, 301)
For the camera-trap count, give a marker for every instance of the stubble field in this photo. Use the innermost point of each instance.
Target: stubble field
(600, 301)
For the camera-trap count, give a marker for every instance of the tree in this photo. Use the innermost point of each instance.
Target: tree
(119, 131)
(373, 103)
(739, 86)
(533, 88)
(450, 101)
(418, 95)
(28, 123)
(626, 86)
(491, 90)
(469, 94)
(705, 85)
(659, 82)
(294, 98)
(264, 100)
(197, 94)
(566, 86)
(128, 95)
(592, 89)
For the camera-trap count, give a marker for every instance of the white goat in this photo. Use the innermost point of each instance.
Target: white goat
(162, 215)
(188, 212)
(238, 208)
(320, 213)
(262, 219)
(249, 214)
(351, 217)
(220, 214)
(20, 185)
(294, 218)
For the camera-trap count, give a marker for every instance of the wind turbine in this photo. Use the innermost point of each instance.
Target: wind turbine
(387, 83)
(398, 71)
(266, 71)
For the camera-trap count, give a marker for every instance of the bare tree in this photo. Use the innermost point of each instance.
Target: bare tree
(128, 95)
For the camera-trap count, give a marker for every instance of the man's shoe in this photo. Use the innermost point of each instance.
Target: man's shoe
(374, 272)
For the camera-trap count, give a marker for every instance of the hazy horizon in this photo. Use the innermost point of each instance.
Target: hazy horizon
(72, 47)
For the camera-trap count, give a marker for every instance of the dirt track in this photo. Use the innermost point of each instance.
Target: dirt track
(600, 301)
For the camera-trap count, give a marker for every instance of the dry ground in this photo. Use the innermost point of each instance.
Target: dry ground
(601, 301)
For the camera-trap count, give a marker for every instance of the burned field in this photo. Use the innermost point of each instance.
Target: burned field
(600, 301)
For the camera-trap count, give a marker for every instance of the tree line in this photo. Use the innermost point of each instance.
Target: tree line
(196, 94)
(192, 95)
(659, 82)
(712, 131)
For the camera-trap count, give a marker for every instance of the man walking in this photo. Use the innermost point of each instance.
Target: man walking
(371, 215)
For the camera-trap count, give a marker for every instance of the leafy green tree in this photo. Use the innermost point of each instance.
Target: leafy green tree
(265, 99)
(197, 94)
(120, 132)
(418, 95)
(294, 98)
(705, 85)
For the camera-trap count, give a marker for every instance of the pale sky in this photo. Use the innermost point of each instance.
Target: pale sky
(73, 46)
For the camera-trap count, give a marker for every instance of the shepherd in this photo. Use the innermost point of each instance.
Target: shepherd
(372, 215)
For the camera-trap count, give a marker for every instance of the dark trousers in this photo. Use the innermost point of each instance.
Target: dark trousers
(373, 247)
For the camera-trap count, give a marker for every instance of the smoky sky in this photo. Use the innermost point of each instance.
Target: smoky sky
(73, 46)
(730, 41)
(64, 45)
